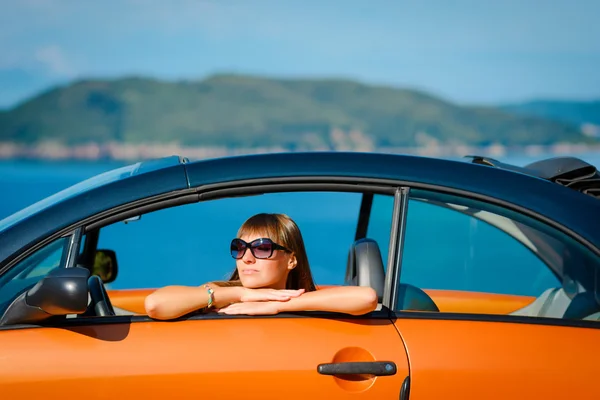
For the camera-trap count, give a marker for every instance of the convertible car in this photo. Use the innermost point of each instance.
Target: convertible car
(488, 277)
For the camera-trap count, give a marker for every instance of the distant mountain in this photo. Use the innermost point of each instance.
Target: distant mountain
(243, 111)
(574, 112)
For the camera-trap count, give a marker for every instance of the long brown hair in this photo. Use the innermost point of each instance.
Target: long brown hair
(283, 230)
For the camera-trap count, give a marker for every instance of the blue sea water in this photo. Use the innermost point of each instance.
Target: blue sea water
(189, 244)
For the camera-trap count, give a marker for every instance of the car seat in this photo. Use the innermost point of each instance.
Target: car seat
(566, 302)
(365, 268)
(593, 317)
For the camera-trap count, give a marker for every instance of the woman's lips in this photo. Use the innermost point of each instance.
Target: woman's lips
(249, 271)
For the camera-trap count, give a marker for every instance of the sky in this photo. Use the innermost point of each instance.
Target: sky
(465, 51)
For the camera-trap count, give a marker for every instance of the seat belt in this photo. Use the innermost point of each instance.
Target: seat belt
(548, 302)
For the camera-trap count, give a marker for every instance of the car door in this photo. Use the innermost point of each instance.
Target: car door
(207, 355)
(222, 357)
(502, 329)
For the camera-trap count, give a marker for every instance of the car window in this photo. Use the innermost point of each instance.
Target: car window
(471, 257)
(32, 269)
(447, 249)
(380, 223)
(189, 244)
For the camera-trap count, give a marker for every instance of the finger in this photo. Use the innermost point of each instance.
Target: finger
(236, 306)
(265, 298)
(227, 307)
(290, 293)
(234, 311)
(275, 292)
(227, 310)
(278, 297)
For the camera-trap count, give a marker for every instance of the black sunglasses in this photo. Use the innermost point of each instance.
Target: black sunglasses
(260, 248)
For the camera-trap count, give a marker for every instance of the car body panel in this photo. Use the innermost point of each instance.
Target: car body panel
(499, 360)
(220, 358)
(129, 299)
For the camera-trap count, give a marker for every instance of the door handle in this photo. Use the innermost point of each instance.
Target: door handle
(378, 368)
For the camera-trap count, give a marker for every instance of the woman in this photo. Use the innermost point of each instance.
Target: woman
(272, 275)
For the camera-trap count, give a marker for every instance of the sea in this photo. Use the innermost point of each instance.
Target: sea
(189, 245)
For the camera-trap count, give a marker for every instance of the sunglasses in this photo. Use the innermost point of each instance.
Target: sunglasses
(260, 248)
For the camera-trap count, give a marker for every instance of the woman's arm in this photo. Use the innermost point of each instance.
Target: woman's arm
(174, 301)
(354, 300)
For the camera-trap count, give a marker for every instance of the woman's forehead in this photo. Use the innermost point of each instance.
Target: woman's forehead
(253, 234)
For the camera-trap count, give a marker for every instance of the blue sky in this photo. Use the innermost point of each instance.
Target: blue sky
(467, 51)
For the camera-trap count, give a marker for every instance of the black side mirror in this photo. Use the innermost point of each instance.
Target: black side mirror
(105, 265)
(63, 291)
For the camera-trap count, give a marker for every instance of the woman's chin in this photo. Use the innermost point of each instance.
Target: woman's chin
(252, 283)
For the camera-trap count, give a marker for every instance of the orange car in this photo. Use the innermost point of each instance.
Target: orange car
(488, 279)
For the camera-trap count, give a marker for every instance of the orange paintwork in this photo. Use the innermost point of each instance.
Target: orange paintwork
(477, 302)
(470, 360)
(221, 358)
(225, 357)
(129, 299)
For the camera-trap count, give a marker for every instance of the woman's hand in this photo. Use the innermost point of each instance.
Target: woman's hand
(257, 295)
(251, 308)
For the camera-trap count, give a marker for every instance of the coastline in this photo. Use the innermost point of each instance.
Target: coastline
(112, 151)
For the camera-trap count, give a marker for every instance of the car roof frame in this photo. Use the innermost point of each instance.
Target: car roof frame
(456, 177)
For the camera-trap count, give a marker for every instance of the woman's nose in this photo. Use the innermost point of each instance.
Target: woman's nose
(248, 257)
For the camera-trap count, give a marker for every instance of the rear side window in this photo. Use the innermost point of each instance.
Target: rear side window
(462, 255)
(448, 249)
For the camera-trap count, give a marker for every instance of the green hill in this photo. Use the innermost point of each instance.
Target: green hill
(574, 112)
(242, 111)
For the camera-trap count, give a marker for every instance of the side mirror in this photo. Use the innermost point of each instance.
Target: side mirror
(105, 265)
(63, 291)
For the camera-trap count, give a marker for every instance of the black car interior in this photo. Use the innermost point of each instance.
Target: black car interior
(365, 268)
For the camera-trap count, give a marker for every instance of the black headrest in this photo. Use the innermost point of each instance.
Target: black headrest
(582, 305)
(412, 298)
(365, 266)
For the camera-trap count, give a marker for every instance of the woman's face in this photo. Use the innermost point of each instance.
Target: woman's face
(264, 273)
